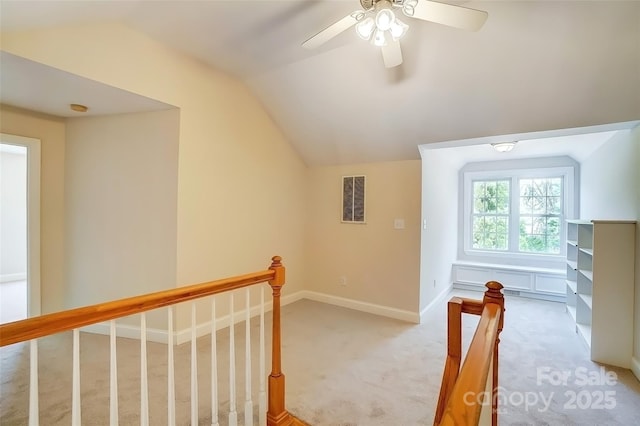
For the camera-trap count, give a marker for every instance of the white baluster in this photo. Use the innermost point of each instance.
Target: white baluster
(233, 416)
(262, 396)
(248, 403)
(171, 388)
(76, 414)
(214, 365)
(113, 376)
(144, 388)
(194, 367)
(34, 412)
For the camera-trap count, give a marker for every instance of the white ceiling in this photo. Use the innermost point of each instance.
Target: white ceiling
(578, 146)
(51, 91)
(534, 66)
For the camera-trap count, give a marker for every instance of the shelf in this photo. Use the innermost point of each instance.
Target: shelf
(588, 274)
(586, 298)
(585, 332)
(615, 222)
(587, 251)
(572, 312)
(605, 246)
(579, 222)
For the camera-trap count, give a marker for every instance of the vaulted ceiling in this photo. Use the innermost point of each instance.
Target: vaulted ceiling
(534, 66)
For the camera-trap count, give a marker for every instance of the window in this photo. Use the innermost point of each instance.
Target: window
(540, 215)
(517, 212)
(353, 198)
(491, 214)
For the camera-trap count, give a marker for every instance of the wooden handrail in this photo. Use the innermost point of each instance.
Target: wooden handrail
(45, 325)
(459, 402)
(472, 380)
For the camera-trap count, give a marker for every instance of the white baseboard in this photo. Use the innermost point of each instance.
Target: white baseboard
(435, 301)
(635, 367)
(202, 329)
(20, 276)
(184, 335)
(357, 305)
(128, 331)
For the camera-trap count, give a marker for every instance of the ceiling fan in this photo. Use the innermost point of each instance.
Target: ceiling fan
(377, 22)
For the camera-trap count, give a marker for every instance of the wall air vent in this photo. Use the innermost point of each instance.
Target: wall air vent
(353, 192)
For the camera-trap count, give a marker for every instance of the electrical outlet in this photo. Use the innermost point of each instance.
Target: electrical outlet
(342, 281)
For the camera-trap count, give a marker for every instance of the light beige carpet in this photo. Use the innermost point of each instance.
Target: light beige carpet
(13, 301)
(343, 368)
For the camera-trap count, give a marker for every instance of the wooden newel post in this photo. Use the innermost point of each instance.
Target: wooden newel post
(277, 415)
(494, 295)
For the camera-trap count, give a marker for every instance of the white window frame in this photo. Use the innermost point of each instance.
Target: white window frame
(514, 175)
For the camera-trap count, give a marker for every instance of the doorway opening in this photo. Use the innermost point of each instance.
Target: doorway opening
(20, 227)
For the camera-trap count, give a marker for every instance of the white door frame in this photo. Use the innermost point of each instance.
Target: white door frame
(33, 218)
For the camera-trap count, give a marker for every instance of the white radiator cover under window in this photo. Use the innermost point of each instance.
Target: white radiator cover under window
(540, 281)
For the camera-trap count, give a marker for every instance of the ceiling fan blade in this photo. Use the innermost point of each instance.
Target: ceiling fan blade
(333, 30)
(392, 54)
(447, 14)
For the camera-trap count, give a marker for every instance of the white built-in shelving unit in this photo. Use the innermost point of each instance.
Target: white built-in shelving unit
(600, 283)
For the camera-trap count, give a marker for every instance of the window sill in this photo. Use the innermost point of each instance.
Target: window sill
(515, 268)
(518, 259)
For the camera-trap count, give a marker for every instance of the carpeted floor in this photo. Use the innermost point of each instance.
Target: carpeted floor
(13, 301)
(343, 367)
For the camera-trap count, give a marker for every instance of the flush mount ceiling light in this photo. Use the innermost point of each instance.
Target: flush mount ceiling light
(78, 108)
(503, 146)
(377, 22)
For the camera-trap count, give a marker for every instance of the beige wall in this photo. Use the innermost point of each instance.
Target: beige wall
(241, 187)
(381, 264)
(121, 199)
(243, 193)
(51, 132)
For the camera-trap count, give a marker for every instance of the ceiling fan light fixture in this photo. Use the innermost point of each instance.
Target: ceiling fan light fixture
(379, 39)
(398, 29)
(384, 19)
(365, 28)
(503, 146)
(409, 7)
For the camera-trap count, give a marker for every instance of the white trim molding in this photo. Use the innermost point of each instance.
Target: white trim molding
(7, 278)
(204, 328)
(184, 335)
(357, 305)
(434, 302)
(33, 218)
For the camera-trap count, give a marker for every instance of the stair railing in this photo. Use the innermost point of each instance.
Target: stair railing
(463, 393)
(272, 414)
